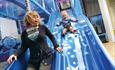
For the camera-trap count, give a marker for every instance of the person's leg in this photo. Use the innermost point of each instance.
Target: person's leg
(46, 63)
(31, 67)
(64, 31)
(72, 30)
(45, 67)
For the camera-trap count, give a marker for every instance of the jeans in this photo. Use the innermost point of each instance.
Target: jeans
(41, 67)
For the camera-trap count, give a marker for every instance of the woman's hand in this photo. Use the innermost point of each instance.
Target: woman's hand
(59, 49)
(11, 58)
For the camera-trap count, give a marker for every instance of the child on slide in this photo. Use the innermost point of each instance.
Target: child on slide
(66, 22)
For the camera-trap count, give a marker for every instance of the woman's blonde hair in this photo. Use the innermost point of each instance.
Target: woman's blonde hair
(27, 16)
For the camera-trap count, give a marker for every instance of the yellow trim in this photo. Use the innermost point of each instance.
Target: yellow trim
(114, 32)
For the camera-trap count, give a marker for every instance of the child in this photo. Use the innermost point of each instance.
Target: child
(66, 22)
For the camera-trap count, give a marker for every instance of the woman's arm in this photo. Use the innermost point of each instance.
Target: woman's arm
(51, 37)
(19, 52)
(23, 48)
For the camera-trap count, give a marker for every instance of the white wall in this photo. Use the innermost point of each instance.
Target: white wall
(8, 28)
(107, 19)
(111, 5)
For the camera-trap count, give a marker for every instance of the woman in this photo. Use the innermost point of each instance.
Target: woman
(34, 38)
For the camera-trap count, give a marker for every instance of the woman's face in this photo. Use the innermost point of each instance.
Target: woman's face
(34, 19)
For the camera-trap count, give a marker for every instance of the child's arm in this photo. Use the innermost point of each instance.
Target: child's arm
(74, 20)
(59, 24)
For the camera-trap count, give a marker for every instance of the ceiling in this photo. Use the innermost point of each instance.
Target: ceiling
(16, 9)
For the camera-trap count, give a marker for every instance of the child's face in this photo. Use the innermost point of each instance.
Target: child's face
(34, 19)
(64, 14)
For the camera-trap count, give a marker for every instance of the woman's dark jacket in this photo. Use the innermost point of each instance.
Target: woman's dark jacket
(39, 46)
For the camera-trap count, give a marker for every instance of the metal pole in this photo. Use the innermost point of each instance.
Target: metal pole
(43, 4)
(28, 8)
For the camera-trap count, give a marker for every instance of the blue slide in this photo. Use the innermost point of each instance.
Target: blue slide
(81, 51)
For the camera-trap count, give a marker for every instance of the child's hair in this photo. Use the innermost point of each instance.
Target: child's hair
(64, 13)
(28, 14)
